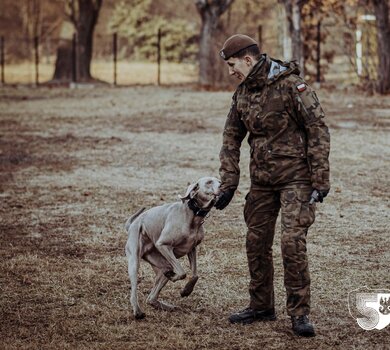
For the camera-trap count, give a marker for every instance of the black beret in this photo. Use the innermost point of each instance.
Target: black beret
(236, 43)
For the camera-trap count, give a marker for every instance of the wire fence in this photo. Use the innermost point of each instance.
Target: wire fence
(33, 60)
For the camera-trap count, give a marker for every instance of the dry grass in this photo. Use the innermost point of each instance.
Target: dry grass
(76, 163)
(128, 73)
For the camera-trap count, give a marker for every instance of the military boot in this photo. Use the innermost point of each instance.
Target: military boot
(302, 326)
(249, 315)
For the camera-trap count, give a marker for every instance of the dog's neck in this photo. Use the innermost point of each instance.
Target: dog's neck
(193, 205)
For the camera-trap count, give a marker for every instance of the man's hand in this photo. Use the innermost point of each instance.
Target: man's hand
(322, 195)
(318, 196)
(224, 199)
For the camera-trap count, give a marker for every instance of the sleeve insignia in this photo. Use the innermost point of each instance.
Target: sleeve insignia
(301, 87)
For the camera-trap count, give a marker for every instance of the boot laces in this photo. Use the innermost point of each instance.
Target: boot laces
(302, 319)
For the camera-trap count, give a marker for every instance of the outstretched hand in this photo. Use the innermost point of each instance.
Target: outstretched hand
(224, 199)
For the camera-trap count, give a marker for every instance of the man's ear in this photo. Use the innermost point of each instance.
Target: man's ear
(248, 60)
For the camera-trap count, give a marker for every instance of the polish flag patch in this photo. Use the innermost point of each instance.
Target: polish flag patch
(301, 87)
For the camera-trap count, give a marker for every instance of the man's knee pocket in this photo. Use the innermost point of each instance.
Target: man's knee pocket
(307, 214)
(297, 211)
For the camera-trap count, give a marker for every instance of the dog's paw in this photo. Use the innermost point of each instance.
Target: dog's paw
(189, 287)
(161, 305)
(169, 274)
(139, 315)
(174, 276)
(185, 292)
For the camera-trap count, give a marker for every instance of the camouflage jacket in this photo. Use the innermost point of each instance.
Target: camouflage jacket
(289, 140)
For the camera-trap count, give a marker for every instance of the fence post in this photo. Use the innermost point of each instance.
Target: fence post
(36, 49)
(318, 78)
(115, 51)
(159, 56)
(74, 58)
(260, 36)
(2, 60)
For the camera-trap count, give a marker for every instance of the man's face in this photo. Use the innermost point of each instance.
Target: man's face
(240, 67)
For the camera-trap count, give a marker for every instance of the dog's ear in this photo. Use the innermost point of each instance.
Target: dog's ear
(192, 190)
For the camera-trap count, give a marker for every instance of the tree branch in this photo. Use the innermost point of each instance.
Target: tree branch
(224, 6)
(201, 4)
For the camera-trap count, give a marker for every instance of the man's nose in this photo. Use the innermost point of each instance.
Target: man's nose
(231, 71)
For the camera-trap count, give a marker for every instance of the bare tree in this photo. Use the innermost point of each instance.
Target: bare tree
(31, 17)
(30, 13)
(381, 9)
(83, 15)
(210, 12)
(293, 12)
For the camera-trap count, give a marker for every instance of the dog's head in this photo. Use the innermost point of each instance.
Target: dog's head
(204, 191)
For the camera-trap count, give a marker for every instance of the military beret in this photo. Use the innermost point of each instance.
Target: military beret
(235, 44)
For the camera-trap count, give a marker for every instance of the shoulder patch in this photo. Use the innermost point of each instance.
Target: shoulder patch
(301, 87)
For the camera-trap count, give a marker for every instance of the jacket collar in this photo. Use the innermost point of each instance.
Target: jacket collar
(257, 77)
(267, 70)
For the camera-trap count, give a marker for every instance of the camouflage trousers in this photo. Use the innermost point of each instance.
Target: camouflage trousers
(261, 211)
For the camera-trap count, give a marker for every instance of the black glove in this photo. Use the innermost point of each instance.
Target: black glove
(322, 195)
(318, 196)
(224, 199)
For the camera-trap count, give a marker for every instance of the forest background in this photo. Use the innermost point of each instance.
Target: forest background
(338, 43)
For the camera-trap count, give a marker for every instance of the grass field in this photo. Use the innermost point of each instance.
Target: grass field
(75, 164)
(128, 73)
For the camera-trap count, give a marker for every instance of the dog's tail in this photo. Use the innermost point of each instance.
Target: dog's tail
(133, 217)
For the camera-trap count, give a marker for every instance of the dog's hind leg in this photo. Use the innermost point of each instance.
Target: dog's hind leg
(160, 267)
(133, 258)
(160, 282)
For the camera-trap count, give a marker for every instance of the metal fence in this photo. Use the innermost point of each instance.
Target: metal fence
(32, 61)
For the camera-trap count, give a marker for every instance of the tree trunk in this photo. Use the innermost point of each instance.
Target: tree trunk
(206, 50)
(64, 60)
(210, 12)
(297, 45)
(63, 67)
(293, 13)
(381, 8)
(84, 17)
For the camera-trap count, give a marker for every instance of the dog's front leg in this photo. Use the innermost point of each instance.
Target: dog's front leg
(164, 246)
(189, 287)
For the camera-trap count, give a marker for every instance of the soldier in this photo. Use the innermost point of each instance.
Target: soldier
(289, 149)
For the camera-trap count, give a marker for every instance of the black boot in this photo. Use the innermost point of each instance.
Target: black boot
(302, 326)
(249, 315)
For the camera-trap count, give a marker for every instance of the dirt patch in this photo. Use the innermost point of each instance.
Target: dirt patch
(74, 164)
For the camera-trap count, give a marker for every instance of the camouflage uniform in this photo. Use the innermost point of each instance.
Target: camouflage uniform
(289, 144)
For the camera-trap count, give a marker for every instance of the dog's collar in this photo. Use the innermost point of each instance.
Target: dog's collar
(196, 210)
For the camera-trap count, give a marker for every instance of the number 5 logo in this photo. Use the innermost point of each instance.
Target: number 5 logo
(364, 305)
(370, 308)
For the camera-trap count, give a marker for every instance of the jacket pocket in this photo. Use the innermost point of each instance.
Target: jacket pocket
(288, 151)
(307, 214)
(298, 212)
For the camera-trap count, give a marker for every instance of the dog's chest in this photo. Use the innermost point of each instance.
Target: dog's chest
(189, 240)
(196, 235)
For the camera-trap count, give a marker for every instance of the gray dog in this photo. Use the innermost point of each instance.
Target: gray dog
(165, 233)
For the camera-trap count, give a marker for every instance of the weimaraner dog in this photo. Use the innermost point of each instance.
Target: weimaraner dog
(165, 233)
